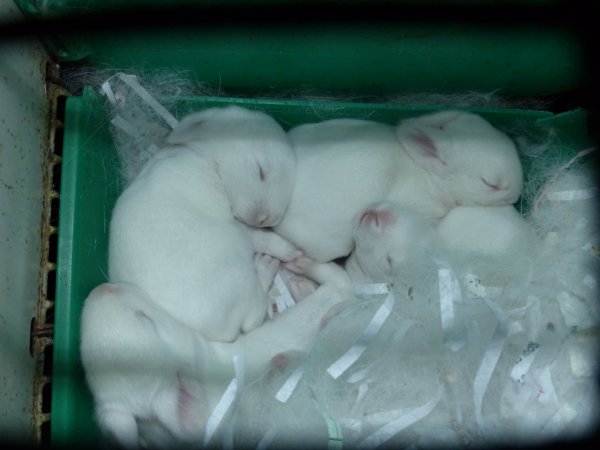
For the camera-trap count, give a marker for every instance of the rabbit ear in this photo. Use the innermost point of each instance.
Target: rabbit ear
(423, 150)
(187, 129)
(417, 137)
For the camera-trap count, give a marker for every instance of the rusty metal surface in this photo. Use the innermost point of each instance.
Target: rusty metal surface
(23, 161)
(42, 325)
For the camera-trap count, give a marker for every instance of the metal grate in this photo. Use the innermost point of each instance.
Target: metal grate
(42, 325)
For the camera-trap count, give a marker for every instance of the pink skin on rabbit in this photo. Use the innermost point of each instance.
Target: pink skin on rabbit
(174, 231)
(152, 376)
(134, 373)
(467, 161)
(391, 240)
(430, 164)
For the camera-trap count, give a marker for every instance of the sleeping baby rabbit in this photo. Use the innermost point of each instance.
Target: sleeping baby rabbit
(393, 242)
(430, 164)
(174, 231)
(155, 378)
(140, 373)
(390, 241)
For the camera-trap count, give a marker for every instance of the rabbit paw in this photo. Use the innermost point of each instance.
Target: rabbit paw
(266, 267)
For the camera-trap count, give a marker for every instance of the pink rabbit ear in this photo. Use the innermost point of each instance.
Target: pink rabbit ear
(425, 144)
(423, 150)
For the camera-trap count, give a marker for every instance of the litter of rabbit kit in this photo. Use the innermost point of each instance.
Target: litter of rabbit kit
(468, 347)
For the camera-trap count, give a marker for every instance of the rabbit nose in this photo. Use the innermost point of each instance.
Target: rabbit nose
(263, 220)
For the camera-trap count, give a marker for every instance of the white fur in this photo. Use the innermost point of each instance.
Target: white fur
(467, 161)
(393, 243)
(430, 163)
(173, 230)
(244, 146)
(405, 243)
(153, 376)
(136, 370)
(487, 230)
(270, 243)
(343, 165)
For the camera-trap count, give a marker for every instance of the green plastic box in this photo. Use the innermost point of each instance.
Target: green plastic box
(91, 184)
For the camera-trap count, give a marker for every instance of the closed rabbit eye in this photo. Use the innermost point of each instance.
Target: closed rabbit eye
(390, 262)
(261, 173)
(492, 186)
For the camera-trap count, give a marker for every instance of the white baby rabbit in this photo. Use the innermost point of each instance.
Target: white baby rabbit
(138, 371)
(251, 155)
(466, 160)
(391, 241)
(487, 230)
(430, 164)
(152, 376)
(174, 231)
(343, 165)
(391, 234)
(394, 243)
